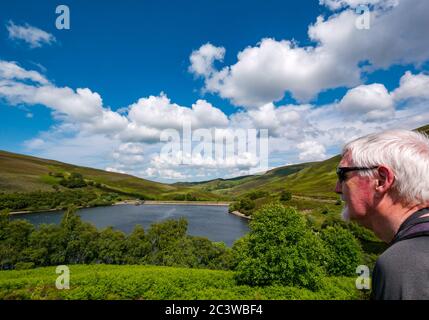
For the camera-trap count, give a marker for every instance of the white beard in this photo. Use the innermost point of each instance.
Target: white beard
(345, 214)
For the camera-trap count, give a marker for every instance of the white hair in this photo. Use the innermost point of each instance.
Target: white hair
(405, 152)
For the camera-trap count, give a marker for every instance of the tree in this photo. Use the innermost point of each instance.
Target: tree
(14, 238)
(285, 196)
(246, 206)
(137, 246)
(169, 243)
(79, 238)
(207, 254)
(74, 181)
(280, 249)
(111, 246)
(344, 251)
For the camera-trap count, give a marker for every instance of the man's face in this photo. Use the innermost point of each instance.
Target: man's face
(356, 192)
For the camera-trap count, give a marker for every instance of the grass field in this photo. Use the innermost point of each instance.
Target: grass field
(156, 283)
(22, 173)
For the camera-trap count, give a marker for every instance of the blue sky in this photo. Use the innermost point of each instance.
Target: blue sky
(129, 50)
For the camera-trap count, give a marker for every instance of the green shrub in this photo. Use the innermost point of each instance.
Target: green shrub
(285, 196)
(280, 249)
(256, 194)
(344, 251)
(74, 181)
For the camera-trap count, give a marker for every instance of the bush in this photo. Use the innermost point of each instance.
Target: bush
(280, 249)
(285, 196)
(74, 181)
(184, 197)
(256, 194)
(345, 252)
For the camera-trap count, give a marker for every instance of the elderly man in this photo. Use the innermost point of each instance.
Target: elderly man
(384, 180)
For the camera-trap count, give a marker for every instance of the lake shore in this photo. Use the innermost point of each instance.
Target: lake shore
(189, 203)
(29, 211)
(242, 215)
(138, 202)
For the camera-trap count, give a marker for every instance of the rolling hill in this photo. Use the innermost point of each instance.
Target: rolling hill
(22, 173)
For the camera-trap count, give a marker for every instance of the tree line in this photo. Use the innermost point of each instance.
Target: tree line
(45, 200)
(76, 242)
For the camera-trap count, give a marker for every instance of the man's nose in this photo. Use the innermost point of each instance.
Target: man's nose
(338, 188)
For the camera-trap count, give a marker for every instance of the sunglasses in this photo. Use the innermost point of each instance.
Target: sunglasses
(341, 171)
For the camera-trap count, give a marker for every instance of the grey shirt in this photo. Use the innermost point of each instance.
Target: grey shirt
(402, 271)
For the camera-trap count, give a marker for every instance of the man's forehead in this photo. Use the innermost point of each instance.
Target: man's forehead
(346, 159)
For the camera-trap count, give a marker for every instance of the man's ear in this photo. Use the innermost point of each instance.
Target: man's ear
(385, 179)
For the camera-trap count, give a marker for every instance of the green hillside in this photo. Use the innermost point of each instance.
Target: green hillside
(22, 173)
(151, 282)
(313, 179)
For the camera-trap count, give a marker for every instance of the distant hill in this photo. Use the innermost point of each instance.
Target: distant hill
(22, 173)
(310, 179)
(313, 179)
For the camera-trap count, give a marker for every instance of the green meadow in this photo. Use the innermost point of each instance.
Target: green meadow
(154, 282)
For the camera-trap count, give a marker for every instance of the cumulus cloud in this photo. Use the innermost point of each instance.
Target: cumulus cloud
(33, 36)
(341, 53)
(111, 169)
(142, 121)
(263, 74)
(311, 151)
(202, 59)
(412, 86)
(10, 70)
(373, 102)
(158, 112)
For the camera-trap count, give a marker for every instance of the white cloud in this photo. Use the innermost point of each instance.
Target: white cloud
(10, 70)
(371, 102)
(277, 120)
(412, 86)
(111, 169)
(91, 150)
(168, 174)
(311, 151)
(265, 72)
(33, 36)
(158, 112)
(202, 59)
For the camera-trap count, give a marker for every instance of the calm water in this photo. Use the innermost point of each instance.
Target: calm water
(213, 222)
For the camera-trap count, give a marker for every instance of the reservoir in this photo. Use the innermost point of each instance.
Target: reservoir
(212, 222)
